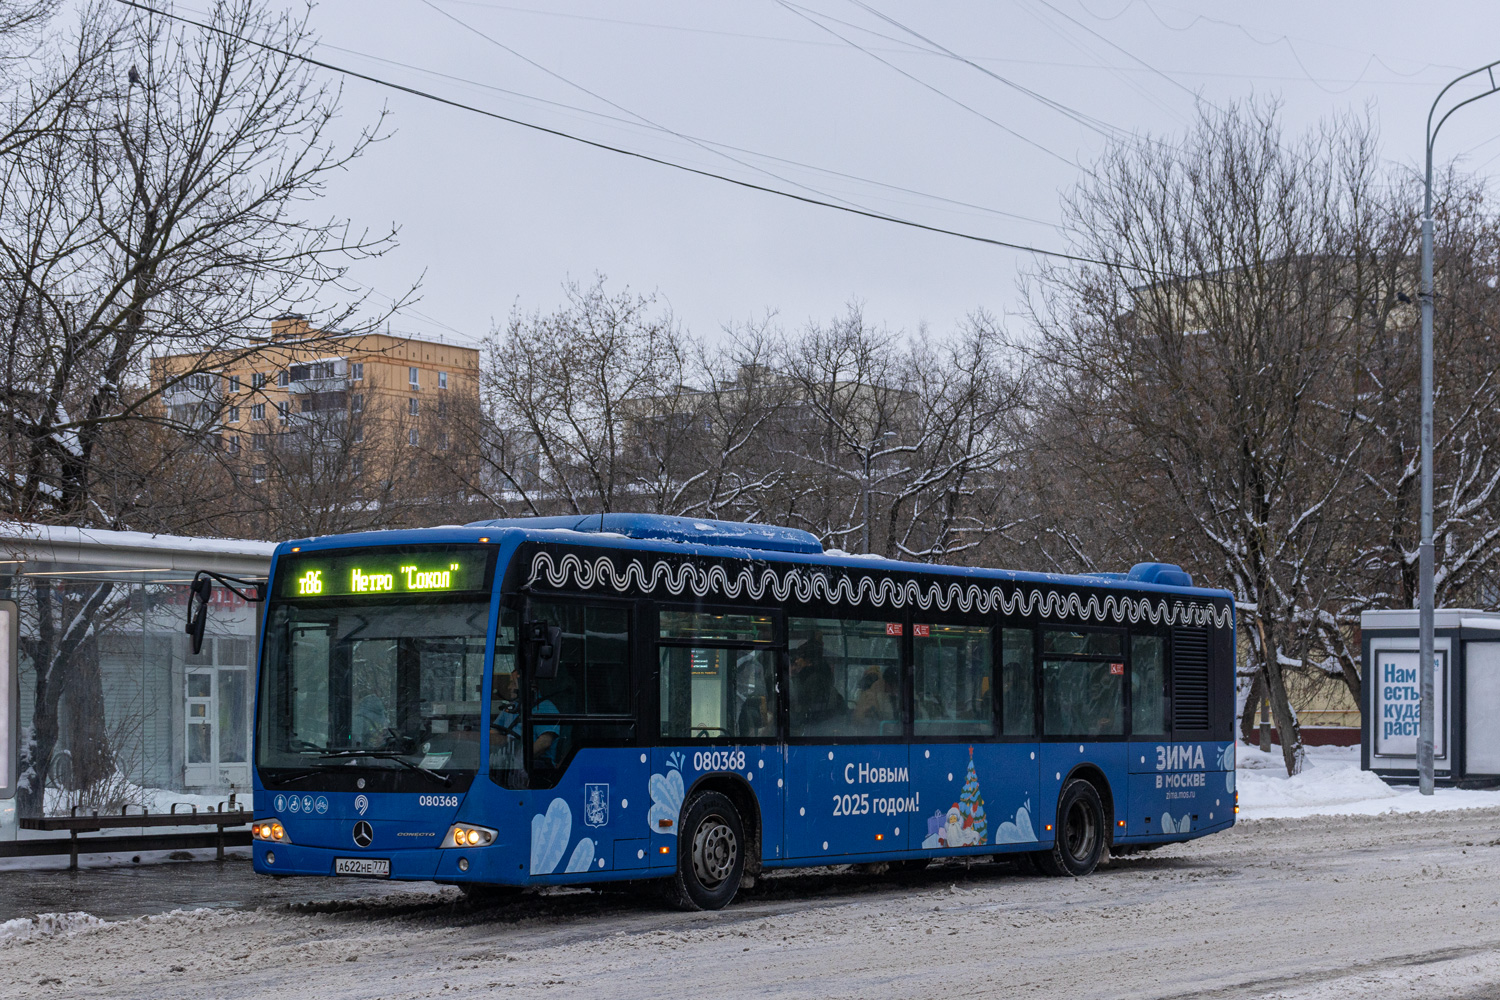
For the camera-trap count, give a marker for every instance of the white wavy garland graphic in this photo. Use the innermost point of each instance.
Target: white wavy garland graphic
(685, 577)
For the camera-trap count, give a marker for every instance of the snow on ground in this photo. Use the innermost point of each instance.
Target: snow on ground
(1331, 784)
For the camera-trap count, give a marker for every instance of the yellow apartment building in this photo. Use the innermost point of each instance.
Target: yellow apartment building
(377, 399)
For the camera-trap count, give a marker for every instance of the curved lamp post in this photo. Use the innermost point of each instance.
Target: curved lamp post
(1425, 588)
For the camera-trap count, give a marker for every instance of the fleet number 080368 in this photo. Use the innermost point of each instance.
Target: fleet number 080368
(449, 801)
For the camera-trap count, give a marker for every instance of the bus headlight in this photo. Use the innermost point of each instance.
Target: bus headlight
(469, 835)
(269, 829)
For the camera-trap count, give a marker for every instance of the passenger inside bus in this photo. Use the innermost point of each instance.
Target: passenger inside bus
(505, 725)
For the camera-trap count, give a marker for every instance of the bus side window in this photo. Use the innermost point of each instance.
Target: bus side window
(1148, 685)
(1017, 687)
(952, 679)
(845, 678)
(711, 693)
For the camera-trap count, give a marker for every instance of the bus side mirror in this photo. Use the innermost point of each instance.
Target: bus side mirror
(197, 610)
(543, 642)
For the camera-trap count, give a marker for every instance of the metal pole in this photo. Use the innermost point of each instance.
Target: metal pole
(1424, 552)
(1427, 722)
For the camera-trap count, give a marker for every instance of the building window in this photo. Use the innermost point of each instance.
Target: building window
(357, 371)
(357, 403)
(442, 380)
(411, 406)
(359, 433)
(442, 408)
(258, 411)
(258, 380)
(412, 435)
(283, 378)
(283, 411)
(260, 473)
(234, 414)
(257, 442)
(234, 383)
(232, 444)
(443, 440)
(359, 464)
(411, 376)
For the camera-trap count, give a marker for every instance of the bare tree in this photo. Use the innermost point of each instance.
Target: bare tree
(162, 214)
(153, 199)
(1207, 366)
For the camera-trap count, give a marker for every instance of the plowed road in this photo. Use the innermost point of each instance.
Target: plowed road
(1393, 906)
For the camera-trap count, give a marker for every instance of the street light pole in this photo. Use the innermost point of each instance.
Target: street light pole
(1427, 724)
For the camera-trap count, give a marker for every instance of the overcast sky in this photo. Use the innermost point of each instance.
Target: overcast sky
(493, 215)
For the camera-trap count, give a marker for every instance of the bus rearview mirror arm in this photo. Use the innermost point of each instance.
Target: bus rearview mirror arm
(199, 592)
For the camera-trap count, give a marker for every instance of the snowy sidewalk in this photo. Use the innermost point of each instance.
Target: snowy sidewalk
(1331, 784)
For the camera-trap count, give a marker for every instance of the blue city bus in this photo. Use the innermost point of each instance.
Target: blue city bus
(622, 697)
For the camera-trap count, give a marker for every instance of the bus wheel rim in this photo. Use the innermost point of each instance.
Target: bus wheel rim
(715, 850)
(1080, 832)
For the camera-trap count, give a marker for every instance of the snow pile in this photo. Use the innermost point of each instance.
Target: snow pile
(1331, 784)
(45, 925)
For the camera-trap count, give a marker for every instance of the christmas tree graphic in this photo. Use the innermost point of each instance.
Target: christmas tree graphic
(971, 807)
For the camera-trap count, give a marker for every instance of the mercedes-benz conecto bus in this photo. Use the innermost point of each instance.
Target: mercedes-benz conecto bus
(625, 697)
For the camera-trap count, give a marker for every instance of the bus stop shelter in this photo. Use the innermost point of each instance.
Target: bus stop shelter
(1466, 681)
(142, 721)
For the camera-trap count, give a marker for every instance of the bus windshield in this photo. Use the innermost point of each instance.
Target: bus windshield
(393, 683)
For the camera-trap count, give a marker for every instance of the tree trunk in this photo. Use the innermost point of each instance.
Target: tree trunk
(1287, 726)
(1257, 694)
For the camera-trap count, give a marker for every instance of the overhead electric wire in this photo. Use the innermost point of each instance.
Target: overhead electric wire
(1129, 55)
(600, 116)
(1088, 121)
(659, 161)
(802, 13)
(1373, 57)
(619, 107)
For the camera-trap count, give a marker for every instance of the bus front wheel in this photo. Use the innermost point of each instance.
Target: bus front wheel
(711, 854)
(1081, 832)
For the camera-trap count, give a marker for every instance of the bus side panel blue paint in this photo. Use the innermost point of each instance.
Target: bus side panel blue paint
(1060, 759)
(573, 827)
(676, 770)
(1180, 788)
(1004, 781)
(838, 799)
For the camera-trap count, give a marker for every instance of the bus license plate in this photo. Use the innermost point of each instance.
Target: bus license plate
(368, 867)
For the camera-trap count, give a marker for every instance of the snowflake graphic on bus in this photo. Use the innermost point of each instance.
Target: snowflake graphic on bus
(550, 833)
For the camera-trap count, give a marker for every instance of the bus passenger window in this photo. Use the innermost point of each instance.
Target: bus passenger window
(1082, 697)
(714, 693)
(952, 681)
(1148, 685)
(1017, 690)
(845, 678)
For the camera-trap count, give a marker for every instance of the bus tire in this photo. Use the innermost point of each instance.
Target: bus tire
(1081, 832)
(710, 854)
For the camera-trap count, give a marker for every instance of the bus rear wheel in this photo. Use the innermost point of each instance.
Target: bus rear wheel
(710, 854)
(1081, 832)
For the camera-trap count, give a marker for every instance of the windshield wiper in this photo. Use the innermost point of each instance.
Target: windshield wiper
(394, 755)
(294, 777)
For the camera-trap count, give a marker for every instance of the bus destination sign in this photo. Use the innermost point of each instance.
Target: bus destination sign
(386, 573)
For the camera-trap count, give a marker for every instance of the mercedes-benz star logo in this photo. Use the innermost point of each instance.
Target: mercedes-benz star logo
(364, 834)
